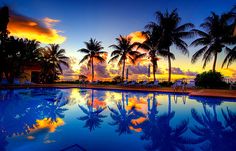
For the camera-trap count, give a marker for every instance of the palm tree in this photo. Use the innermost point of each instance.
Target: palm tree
(93, 117)
(4, 19)
(52, 57)
(216, 36)
(172, 33)
(152, 46)
(31, 51)
(230, 57)
(123, 51)
(93, 53)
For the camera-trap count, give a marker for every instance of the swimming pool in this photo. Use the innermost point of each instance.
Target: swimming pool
(86, 119)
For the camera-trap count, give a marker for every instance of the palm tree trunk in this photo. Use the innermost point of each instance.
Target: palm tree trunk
(214, 64)
(154, 72)
(123, 70)
(169, 63)
(92, 70)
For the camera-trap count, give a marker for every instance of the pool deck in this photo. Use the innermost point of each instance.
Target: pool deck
(191, 92)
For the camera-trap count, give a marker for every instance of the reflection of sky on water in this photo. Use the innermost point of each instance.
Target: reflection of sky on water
(52, 119)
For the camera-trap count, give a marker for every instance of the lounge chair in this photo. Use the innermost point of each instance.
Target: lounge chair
(155, 83)
(27, 82)
(178, 84)
(95, 82)
(143, 83)
(16, 82)
(191, 84)
(124, 83)
(132, 83)
(232, 85)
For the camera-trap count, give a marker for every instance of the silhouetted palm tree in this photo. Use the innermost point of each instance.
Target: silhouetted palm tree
(217, 35)
(151, 45)
(230, 57)
(123, 117)
(93, 53)
(172, 33)
(52, 57)
(31, 52)
(93, 117)
(4, 19)
(123, 51)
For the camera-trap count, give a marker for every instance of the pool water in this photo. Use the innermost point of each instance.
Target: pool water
(87, 119)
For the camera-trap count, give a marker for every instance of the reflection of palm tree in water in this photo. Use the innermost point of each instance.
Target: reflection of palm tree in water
(92, 119)
(177, 96)
(123, 117)
(19, 112)
(213, 133)
(157, 129)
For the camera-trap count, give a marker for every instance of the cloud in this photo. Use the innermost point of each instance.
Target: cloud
(41, 30)
(101, 72)
(142, 69)
(175, 70)
(137, 36)
(139, 69)
(191, 73)
(178, 71)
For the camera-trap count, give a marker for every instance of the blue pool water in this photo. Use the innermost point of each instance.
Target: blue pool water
(86, 119)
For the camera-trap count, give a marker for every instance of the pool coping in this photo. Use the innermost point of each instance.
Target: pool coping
(191, 92)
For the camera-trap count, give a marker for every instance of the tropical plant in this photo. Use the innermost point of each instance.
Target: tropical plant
(4, 19)
(230, 57)
(93, 53)
(172, 33)
(152, 47)
(117, 79)
(93, 117)
(123, 51)
(210, 79)
(218, 33)
(51, 59)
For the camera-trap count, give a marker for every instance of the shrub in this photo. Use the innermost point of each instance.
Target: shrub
(210, 79)
(165, 84)
(117, 79)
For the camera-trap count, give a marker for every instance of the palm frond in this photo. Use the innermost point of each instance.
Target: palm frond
(86, 57)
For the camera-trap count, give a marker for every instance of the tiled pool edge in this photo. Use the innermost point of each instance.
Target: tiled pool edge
(191, 92)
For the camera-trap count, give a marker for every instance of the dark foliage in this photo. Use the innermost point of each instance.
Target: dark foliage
(210, 79)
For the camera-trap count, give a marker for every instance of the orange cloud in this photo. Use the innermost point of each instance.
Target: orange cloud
(137, 36)
(41, 30)
(47, 124)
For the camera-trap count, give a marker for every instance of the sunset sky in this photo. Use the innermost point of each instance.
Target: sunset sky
(72, 22)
